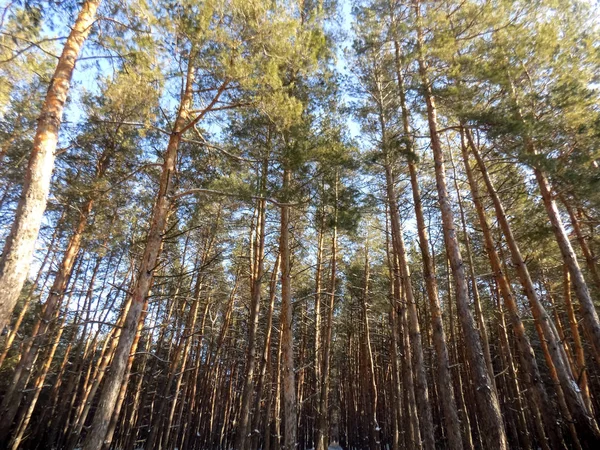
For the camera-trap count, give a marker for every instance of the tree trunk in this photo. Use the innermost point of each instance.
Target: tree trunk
(287, 335)
(160, 213)
(485, 343)
(374, 424)
(266, 357)
(540, 403)
(586, 424)
(241, 440)
(585, 248)
(20, 243)
(323, 416)
(490, 418)
(580, 373)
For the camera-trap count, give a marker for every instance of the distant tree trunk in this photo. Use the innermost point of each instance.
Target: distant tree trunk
(287, 335)
(323, 417)
(89, 390)
(395, 379)
(490, 418)
(562, 403)
(241, 440)
(265, 358)
(515, 410)
(374, 435)
(318, 287)
(485, 343)
(421, 391)
(20, 243)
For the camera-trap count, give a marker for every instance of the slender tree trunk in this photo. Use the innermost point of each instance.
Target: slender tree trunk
(580, 373)
(439, 338)
(287, 336)
(241, 440)
(490, 418)
(485, 343)
(162, 207)
(374, 435)
(266, 357)
(463, 411)
(585, 423)
(535, 389)
(89, 391)
(588, 310)
(585, 248)
(323, 417)
(20, 244)
(318, 287)
(420, 379)
(396, 394)
(513, 390)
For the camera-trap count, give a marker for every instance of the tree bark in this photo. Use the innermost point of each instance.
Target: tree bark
(323, 416)
(160, 213)
(20, 243)
(535, 389)
(493, 433)
(287, 336)
(586, 424)
(241, 440)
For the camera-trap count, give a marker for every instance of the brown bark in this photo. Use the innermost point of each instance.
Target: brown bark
(287, 336)
(538, 396)
(490, 418)
(53, 302)
(459, 391)
(516, 411)
(374, 435)
(241, 440)
(474, 289)
(160, 213)
(580, 372)
(588, 310)
(13, 332)
(395, 379)
(20, 244)
(33, 396)
(420, 379)
(439, 338)
(266, 359)
(586, 425)
(323, 413)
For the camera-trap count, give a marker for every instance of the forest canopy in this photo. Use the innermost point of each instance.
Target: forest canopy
(252, 224)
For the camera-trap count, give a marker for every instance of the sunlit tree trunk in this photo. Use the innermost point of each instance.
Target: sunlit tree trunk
(585, 423)
(160, 213)
(490, 418)
(20, 243)
(257, 270)
(536, 392)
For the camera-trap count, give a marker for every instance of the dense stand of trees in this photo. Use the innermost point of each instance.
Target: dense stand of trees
(290, 224)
